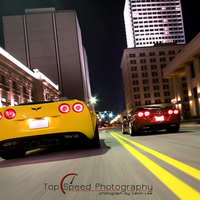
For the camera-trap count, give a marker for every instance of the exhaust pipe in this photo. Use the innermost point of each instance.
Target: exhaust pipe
(54, 141)
(27, 145)
(34, 144)
(47, 142)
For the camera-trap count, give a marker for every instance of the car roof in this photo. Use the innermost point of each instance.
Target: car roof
(41, 102)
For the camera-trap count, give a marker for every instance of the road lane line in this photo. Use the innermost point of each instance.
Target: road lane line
(178, 187)
(195, 173)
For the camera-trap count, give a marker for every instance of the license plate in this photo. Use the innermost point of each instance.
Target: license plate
(42, 123)
(159, 118)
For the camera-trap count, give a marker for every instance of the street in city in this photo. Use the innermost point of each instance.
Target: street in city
(149, 166)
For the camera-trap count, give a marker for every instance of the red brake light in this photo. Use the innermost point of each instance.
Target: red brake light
(10, 113)
(140, 114)
(78, 107)
(0, 115)
(170, 112)
(176, 111)
(146, 113)
(64, 108)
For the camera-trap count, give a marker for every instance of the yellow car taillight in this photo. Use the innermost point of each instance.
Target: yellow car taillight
(78, 107)
(9, 113)
(64, 108)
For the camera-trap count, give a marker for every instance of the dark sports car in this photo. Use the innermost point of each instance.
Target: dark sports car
(151, 119)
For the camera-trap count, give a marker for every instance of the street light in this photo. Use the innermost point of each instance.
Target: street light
(110, 115)
(93, 100)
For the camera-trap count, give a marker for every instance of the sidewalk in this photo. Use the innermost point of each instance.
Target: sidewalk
(191, 122)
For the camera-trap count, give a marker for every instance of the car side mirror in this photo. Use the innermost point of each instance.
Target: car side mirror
(97, 112)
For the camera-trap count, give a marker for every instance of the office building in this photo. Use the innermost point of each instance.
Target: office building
(148, 22)
(142, 72)
(186, 65)
(18, 84)
(50, 41)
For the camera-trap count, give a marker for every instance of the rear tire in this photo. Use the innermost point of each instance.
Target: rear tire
(132, 131)
(95, 143)
(154, 129)
(173, 129)
(123, 132)
(17, 153)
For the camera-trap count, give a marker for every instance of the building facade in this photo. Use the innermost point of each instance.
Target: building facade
(186, 65)
(51, 41)
(148, 22)
(18, 84)
(142, 72)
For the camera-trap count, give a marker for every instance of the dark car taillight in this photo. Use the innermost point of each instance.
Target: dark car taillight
(176, 111)
(147, 113)
(171, 112)
(9, 113)
(140, 114)
(64, 108)
(143, 114)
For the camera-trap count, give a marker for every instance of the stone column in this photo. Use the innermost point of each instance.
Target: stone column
(177, 91)
(21, 98)
(11, 98)
(197, 77)
(0, 97)
(190, 90)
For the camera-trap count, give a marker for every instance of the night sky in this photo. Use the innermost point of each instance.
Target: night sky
(103, 34)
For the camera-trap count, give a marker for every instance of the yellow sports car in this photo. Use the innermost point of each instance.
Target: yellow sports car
(43, 124)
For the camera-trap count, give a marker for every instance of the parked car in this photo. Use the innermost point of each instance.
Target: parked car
(43, 124)
(151, 119)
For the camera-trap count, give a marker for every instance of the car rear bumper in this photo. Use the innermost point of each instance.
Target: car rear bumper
(139, 123)
(40, 141)
(155, 127)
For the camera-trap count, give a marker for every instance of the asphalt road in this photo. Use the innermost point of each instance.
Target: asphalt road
(162, 166)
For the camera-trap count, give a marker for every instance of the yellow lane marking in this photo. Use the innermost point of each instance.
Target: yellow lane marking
(178, 187)
(179, 165)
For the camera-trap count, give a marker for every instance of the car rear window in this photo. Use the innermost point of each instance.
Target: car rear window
(36, 102)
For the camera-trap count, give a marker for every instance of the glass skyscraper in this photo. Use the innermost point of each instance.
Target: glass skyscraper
(148, 22)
